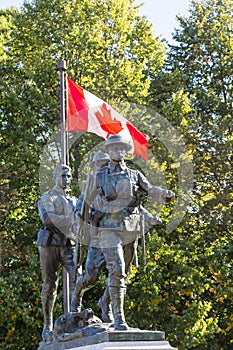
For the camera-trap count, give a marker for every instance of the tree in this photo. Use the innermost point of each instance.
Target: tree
(191, 268)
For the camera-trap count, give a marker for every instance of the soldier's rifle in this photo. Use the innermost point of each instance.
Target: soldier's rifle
(83, 233)
(143, 240)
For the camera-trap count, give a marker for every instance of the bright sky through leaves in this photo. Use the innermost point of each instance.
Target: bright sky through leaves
(161, 13)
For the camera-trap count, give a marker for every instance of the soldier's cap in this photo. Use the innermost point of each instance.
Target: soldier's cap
(59, 168)
(99, 157)
(117, 139)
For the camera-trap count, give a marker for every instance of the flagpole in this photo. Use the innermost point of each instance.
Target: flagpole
(61, 67)
(66, 133)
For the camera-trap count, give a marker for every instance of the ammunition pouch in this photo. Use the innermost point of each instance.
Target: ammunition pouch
(131, 219)
(45, 236)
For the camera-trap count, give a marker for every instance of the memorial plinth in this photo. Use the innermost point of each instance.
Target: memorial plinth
(133, 339)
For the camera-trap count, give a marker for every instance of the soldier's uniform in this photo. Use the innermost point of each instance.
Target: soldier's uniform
(56, 208)
(120, 225)
(117, 209)
(95, 258)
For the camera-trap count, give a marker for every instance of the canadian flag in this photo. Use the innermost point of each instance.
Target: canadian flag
(87, 112)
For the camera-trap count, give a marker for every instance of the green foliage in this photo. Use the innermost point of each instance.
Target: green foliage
(20, 305)
(183, 287)
(187, 281)
(21, 313)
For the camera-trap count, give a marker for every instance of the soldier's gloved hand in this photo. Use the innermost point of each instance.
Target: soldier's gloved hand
(155, 220)
(170, 196)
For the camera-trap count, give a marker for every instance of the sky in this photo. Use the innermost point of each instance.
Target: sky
(162, 13)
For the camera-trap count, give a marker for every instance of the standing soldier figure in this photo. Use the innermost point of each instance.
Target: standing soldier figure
(56, 208)
(95, 258)
(116, 217)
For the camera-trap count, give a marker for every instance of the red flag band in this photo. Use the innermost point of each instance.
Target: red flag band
(86, 112)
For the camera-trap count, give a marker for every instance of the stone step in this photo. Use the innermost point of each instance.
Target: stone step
(134, 339)
(125, 345)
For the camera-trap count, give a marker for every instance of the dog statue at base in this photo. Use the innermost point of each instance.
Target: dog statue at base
(73, 325)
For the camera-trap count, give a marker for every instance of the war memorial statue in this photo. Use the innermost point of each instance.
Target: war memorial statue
(113, 215)
(56, 208)
(115, 224)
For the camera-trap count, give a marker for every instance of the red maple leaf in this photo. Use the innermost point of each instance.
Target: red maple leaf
(109, 124)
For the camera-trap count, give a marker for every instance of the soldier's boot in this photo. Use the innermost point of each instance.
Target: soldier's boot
(105, 305)
(47, 306)
(77, 296)
(117, 300)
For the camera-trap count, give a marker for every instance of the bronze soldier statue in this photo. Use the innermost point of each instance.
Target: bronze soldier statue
(116, 221)
(56, 208)
(95, 258)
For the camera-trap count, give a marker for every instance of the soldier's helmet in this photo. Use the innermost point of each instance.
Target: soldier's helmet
(99, 157)
(117, 139)
(59, 168)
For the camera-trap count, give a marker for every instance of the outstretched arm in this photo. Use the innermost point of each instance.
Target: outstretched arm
(159, 194)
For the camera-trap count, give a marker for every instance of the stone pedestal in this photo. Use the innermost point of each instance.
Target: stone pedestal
(133, 339)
